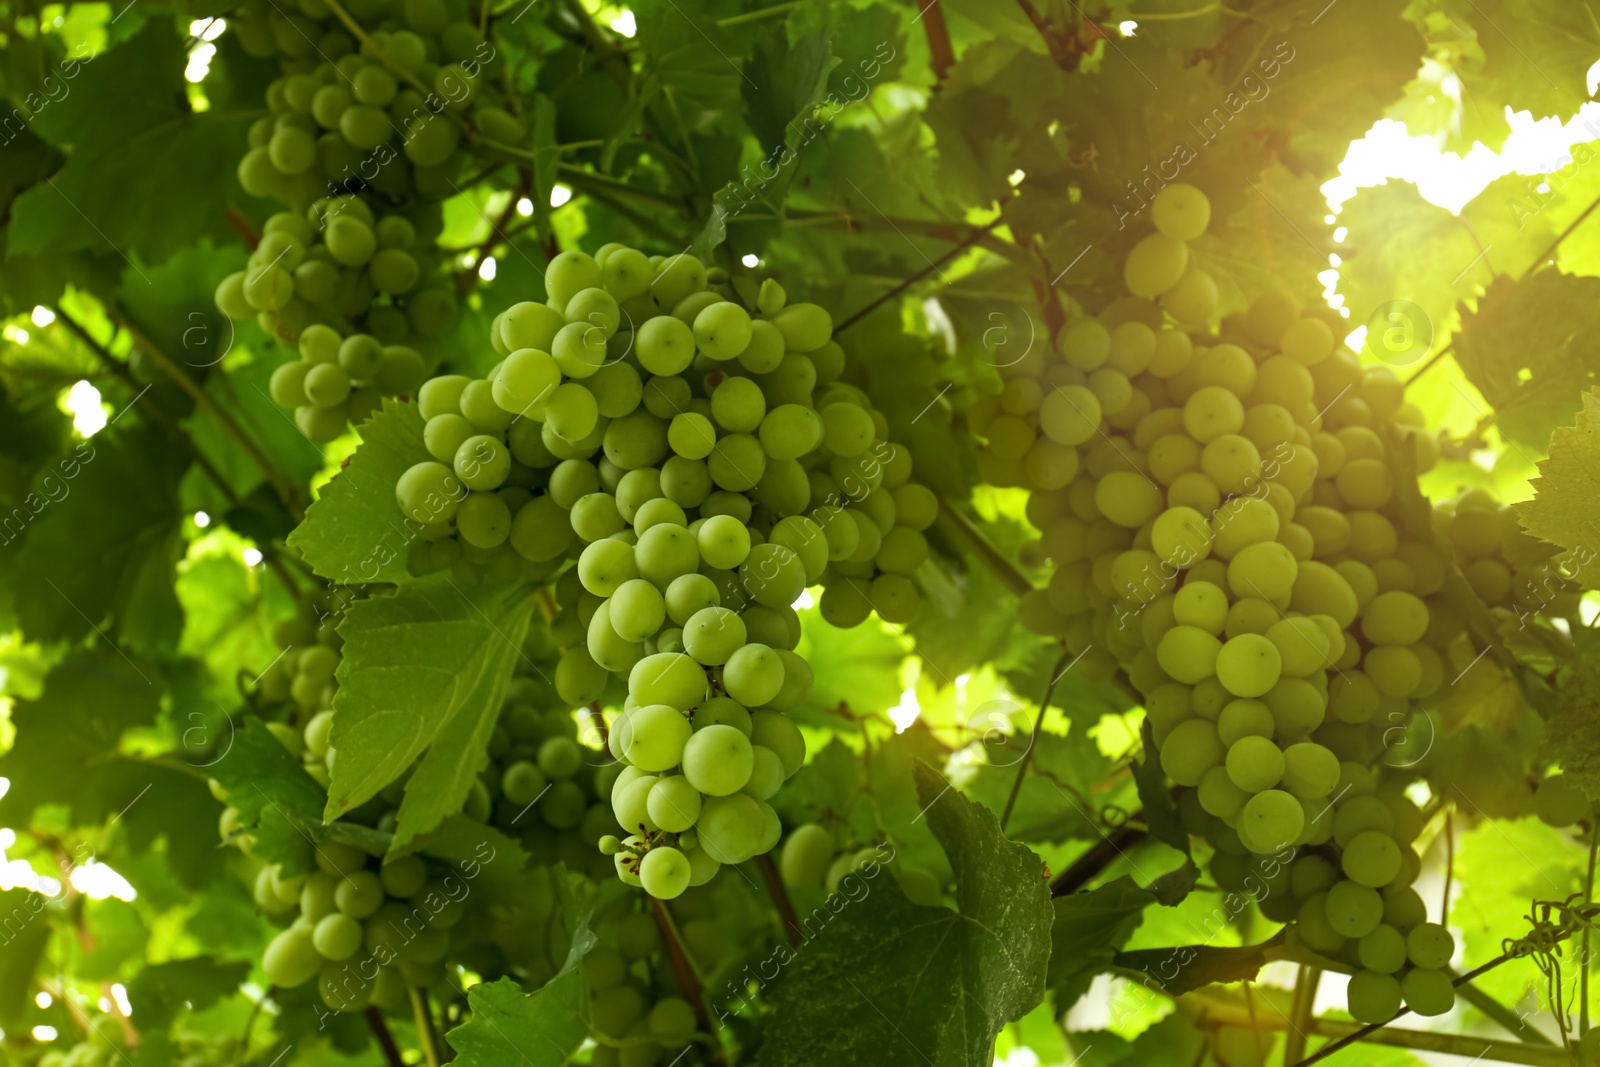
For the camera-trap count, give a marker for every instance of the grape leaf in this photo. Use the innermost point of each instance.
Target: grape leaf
(1565, 509)
(1531, 348)
(423, 671)
(143, 187)
(27, 933)
(161, 990)
(1184, 968)
(540, 1029)
(81, 561)
(890, 982)
(355, 532)
(1572, 731)
(1536, 57)
(863, 665)
(1055, 802)
(259, 773)
(1160, 810)
(782, 80)
(1088, 929)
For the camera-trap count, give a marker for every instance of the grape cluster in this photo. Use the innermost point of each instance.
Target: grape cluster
(703, 467)
(341, 380)
(636, 1015)
(303, 677)
(1223, 518)
(338, 266)
(386, 113)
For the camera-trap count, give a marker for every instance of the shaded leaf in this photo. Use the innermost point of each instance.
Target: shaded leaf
(541, 1028)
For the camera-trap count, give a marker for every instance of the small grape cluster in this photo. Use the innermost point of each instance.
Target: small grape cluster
(1224, 521)
(303, 676)
(635, 1012)
(385, 113)
(341, 380)
(338, 266)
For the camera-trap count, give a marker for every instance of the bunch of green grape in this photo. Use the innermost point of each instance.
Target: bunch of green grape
(102, 1050)
(811, 861)
(388, 113)
(303, 676)
(341, 381)
(1222, 513)
(339, 266)
(636, 1015)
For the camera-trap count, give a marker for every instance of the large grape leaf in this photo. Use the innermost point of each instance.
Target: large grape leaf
(1536, 57)
(162, 990)
(423, 674)
(1565, 509)
(1532, 347)
(355, 532)
(81, 562)
(888, 982)
(142, 178)
(1088, 929)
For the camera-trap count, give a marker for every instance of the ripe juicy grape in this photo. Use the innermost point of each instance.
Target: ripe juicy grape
(340, 381)
(809, 862)
(1221, 510)
(704, 468)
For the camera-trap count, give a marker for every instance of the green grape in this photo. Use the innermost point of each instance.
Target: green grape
(403, 877)
(664, 873)
(1383, 950)
(691, 435)
(713, 634)
(442, 395)
(1219, 795)
(609, 648)
(630, 798)
(560, 757)
(429, 493)
(1266, 570)
(1244, 521)
(1302, 646)
(664, 552)
(637, 609)
(343, 991)
(326, 385)
(1190, 750)
(337, 936)
(737, 462)
(540, 530)
(606, 565)
(1182, 536)
(350, 240)
(1310, 770)
(290, 958)
(1188, 654)
(1371, 859)
(572, 480)
(579, 349)
(722, 711)
(672, 1020)
(847, 430)
(673, 679)
(789, 431)
(1255, 763)
(666, 346)
(1155, 265)
(753, 675)
(571, 412)
(723, 541)
(482, 462)
(688, 594)
(1248, 665)
(730, 827)
(1373, 997)
(805, 327)
(718, 760)
(1559, 802)
(765, 351)
(569, 273)
(595, 517)
(1181, 211)
(483, 520)
(738, 406)
(287, 385)
(915, 506)
(766, 773)
(1271, 821)
(722, 331)
(1430, 945)
(1428, 991)
(773, 574)
(526, 382)
(674, 804)
(1354, 910)
(1359, 815)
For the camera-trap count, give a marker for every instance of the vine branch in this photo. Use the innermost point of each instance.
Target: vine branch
(1056, 672)
(780, 899)
(1012, 578)
(942, 55)
(380, 1030)
(1096, 859)
(964, 244)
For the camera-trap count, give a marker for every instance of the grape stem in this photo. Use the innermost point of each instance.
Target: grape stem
(1056, 672)
(419, 1008)
(1588, 896)
(683, 971)
(780, 899)
(1109, 848)
(964, 244)
(380, 1030)
(1012, 578)
(941, 54)
(1308, 978)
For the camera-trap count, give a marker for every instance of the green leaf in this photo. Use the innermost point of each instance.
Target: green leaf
(259, 773)
(27, 932)
(423, 673)
(1184, 968)
(161, 990)
(81, 560)
(1536, 57)
(1532, 347)
(889, 982)
(863, 665)
(89, 700)
(355, 532)
(142, 178)
(540, 1029)
(1088, 929)
(1565, 509)
(782, 80)
(1160, 810)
